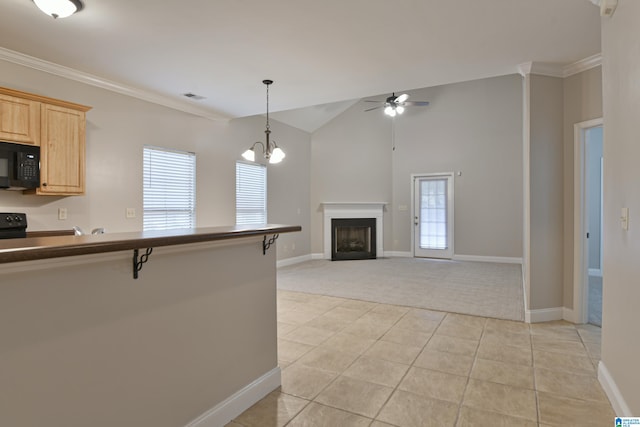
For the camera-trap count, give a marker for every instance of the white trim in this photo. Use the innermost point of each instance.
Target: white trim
(580, 256)
(333, 210)
(596, 272)
(555, 70)
(479, 258)
(398, 254)
(240, 401)
(93, 80)
(544, 315)
(568, 315)
(620, 407)
(527, 316)
(585, 64)
(526, 190)
(294, 260)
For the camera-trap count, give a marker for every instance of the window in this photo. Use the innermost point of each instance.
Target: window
(169, 189)
(251, 193)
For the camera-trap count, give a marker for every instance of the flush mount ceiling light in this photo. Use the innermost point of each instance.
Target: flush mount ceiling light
(270, 149)
(59, 8)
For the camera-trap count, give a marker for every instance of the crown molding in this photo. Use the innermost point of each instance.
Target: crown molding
(585, 64)
(553, 70)
(90, 79)
(524, 68)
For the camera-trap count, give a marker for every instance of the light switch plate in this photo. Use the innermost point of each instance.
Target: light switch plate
(624, 218)
(62, 213)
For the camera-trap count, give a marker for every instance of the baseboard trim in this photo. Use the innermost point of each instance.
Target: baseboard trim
(294, 260)
(544, 315)
(240, 401)
(596, 272)
(398, 254)
(478, 258)
(568, 315)
(620, 407)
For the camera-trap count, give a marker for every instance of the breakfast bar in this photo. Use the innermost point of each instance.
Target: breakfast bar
(190, 342)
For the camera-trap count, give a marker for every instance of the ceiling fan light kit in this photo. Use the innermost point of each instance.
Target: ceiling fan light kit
(395, 105)
(59, 8)
(270, 149)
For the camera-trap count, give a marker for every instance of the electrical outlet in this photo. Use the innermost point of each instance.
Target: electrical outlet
(131, 212)
(62, 213)
(293, 247)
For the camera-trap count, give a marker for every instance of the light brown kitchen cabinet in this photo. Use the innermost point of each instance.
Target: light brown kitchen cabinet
(58, 127)
(62, 151)
(19, 120)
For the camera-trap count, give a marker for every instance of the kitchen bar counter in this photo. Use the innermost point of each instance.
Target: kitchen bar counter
(189, 342)
(34, 248)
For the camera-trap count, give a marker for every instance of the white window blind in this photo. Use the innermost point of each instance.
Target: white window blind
(251, 193)
(169, 189)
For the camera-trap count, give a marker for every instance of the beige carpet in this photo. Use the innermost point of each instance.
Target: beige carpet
(476, 288)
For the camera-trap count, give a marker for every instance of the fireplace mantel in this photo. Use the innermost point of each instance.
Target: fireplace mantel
(352, 210)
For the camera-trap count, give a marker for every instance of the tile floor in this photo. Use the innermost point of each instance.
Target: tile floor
(355, 363)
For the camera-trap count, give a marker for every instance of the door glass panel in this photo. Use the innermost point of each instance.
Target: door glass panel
(433, 213)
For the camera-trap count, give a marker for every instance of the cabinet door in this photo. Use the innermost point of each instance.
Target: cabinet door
(19, 120)
(62, 151)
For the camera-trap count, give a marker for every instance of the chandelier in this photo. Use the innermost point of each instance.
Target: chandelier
(270, 149)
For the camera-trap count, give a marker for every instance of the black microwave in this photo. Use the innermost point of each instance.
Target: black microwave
(19, 166)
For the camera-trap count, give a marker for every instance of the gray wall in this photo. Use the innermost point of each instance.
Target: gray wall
(620, 68)
(117, 128)
(472, 127)
(582, 102)
(546, 192)
(350, 162)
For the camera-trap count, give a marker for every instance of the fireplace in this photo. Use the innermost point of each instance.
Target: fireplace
(358, 211)
(353, 238)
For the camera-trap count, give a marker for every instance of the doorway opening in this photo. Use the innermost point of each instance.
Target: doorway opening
(433, 215)
(588, 196)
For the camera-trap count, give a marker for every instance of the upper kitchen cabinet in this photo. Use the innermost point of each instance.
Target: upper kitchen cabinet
(62, 159)
(19, 120)
(58, 127)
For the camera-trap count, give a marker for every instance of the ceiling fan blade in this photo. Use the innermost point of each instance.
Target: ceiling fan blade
(417, 103)
(374, 108)
(401, 98)
(371, 100)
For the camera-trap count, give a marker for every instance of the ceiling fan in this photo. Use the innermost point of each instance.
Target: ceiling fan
(396, 104)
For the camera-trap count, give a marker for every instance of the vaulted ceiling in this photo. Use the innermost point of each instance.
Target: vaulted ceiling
(317, 52)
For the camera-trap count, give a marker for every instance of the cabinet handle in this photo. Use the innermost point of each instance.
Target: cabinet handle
(44, 184)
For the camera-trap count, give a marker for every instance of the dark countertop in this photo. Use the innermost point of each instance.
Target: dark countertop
(34, 248)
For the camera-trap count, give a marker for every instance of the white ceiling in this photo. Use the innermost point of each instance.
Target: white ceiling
(317, 52)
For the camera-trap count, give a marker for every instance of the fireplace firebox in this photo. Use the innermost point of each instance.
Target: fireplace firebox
(353, 238)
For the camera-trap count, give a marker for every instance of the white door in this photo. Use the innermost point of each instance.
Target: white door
(433, 216)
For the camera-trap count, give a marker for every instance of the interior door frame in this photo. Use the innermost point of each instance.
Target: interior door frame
(580, 222)
(450, 213)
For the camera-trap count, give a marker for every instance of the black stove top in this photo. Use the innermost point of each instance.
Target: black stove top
(13, 225)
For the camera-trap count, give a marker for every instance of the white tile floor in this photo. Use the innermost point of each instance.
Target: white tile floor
(356, 363)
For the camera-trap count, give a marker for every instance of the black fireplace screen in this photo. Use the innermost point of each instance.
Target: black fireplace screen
(353, 238)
